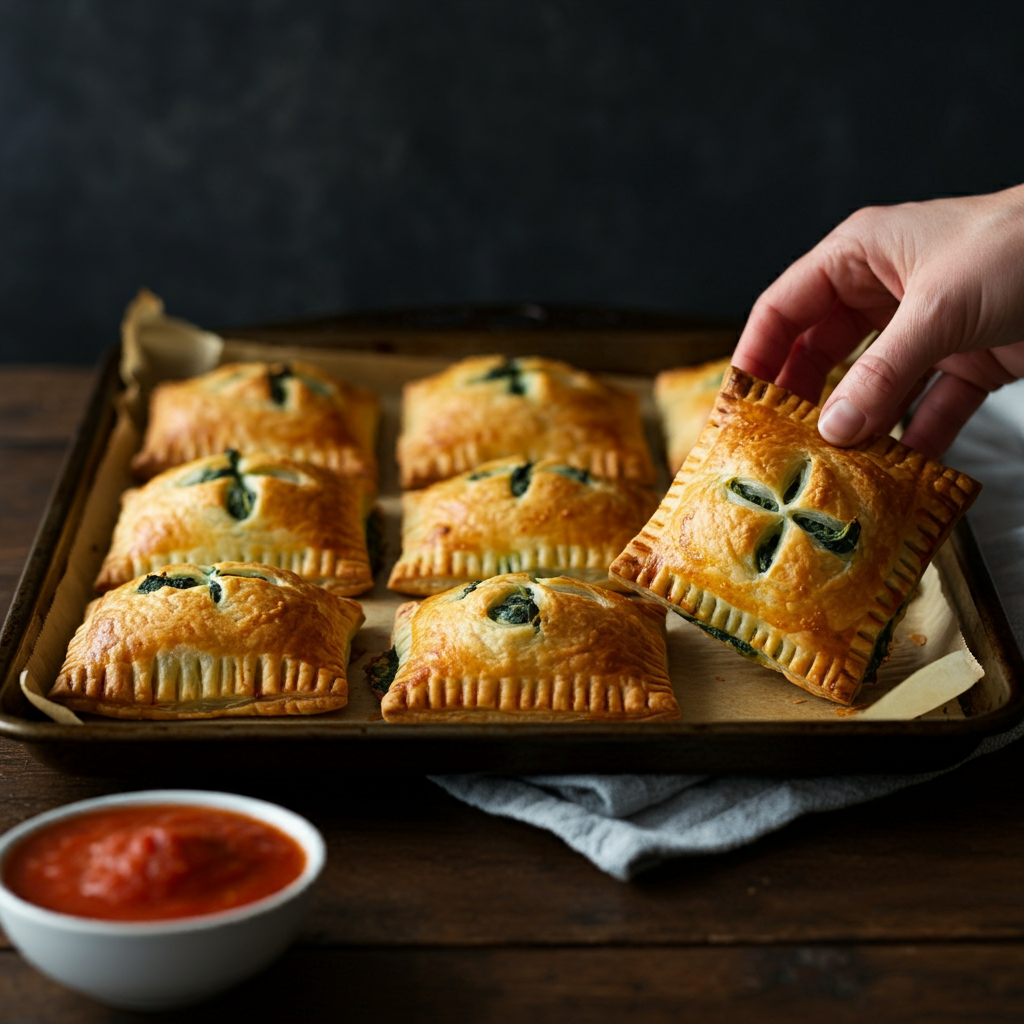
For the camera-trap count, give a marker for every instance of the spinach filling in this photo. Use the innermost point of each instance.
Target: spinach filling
(754, 494)
(381, 671)
(727, 638)
(469, 589)
(276, 379)
(881, 649)
(151, 584)
(519, 481)
(511, 371)
(374, 530)
(238, 499)
(581, 476)
(517, 610)
(765, 554)
(796, 485)
(838, 539)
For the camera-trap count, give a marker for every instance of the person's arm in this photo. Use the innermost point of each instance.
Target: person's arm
(944, 283)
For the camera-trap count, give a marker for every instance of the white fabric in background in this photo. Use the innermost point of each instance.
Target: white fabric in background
(627, 823)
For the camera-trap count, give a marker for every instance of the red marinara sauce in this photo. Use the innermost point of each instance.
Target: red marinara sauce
(152, 862)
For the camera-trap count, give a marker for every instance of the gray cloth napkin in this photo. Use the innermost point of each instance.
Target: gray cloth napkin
(628, 823)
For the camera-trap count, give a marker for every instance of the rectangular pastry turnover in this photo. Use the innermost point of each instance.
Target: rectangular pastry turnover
(197, 641)
(546, 518)
(292, 409)
(245, 508)
(490, 407)
(799, 555)
(515, 648)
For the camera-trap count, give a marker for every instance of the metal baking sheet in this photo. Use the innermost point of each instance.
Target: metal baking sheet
(820, 744)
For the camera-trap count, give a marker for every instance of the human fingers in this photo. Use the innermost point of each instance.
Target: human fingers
(798, 299)
(871, 396)
(966, 380)
(821, 348)
(949, 404)
(869, 399)
(842, 285)
(909, 399)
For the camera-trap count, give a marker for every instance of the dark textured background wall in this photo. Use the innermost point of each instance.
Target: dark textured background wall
(278, 158)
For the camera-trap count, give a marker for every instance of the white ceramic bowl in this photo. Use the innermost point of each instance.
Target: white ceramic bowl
(157, 965)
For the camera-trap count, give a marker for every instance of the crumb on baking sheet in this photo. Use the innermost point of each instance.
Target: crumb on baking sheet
(720, 679)
(800, 700)
(852, 710)
(919, 639)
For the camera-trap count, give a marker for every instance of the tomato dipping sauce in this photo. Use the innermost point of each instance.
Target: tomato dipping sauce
(152, 862)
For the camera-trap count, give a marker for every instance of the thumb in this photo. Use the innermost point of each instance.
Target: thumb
(873, 394)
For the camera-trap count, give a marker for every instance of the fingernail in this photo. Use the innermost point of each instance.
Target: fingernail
(841, 422)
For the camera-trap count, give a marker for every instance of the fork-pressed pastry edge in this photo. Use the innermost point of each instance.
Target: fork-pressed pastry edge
(225, 686)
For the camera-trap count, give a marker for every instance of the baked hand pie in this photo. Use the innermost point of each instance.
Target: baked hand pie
(489, 407)
(515, 648)
(799, 555)
(685, 398)
(197, 641)
(294, 409)
(245, 508)
(545, 518)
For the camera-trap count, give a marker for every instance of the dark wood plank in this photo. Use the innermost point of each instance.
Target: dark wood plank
(42, 404)
(409, 865)
(29, 474)
(40, 408)
(926, 984)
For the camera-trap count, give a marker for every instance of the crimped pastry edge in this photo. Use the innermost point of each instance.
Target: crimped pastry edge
(299, 687)
(556, 698)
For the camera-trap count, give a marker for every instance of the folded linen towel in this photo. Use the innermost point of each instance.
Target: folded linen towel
(628, 823)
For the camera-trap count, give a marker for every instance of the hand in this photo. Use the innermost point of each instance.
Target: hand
(944, 283)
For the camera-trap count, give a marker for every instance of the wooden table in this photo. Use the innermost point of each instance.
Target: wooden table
(910, 908)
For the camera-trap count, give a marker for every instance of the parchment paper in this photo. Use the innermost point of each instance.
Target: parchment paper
(928, 668)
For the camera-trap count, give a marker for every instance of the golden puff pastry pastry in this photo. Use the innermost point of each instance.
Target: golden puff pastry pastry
(294, 409)
(685, 398)
(245, 508)
(799, 555)
(489, 407)
(208, 641)
(546, 518)
(515, 648)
